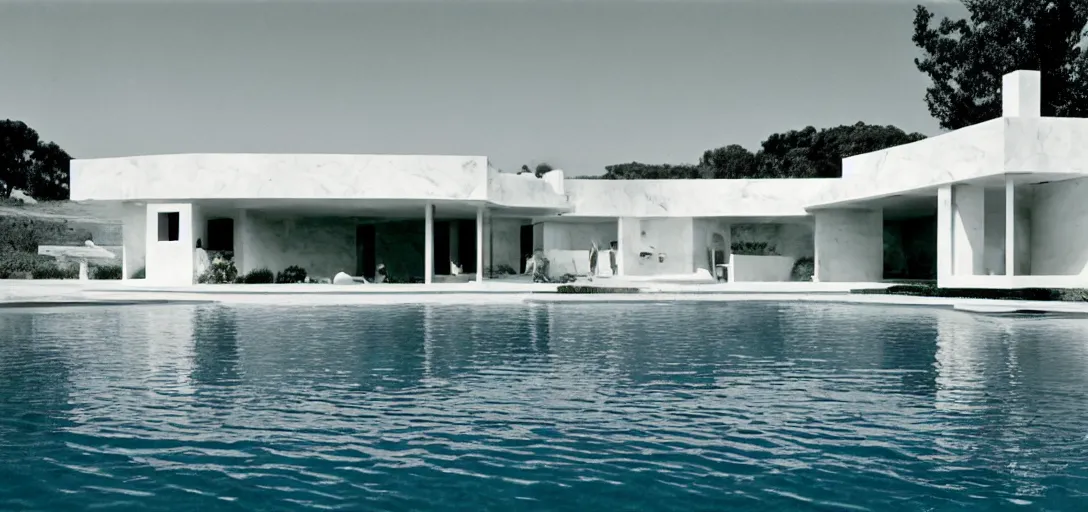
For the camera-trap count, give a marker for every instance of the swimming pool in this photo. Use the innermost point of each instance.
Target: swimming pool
(737, 406)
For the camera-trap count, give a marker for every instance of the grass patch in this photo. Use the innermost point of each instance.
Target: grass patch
(570, 288)
(931, 290)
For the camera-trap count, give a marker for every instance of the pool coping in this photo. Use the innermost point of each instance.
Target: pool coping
(972, 306)
(56, 294)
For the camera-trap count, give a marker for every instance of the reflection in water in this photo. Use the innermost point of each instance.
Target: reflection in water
(546, 407)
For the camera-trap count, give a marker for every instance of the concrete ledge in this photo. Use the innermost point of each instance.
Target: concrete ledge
(26, 294)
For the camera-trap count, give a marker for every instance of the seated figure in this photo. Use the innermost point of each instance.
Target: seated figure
(539, 267)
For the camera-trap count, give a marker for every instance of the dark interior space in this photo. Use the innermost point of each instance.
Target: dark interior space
(220, 235)
(466, 245)
(442, 248)
(526, 246)
(365, 257)
(910, 248)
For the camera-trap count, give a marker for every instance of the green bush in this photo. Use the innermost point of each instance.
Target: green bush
(500, 270)
(221, 271)
(52, 271)
(259, 276)
(29, 265)
(753, 249)
(931, 290)
(570, 288)
(292, 274)
(106, 272)
(803, 269)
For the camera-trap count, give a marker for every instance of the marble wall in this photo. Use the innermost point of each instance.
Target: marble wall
(280, 176)
(628, 232)
(322, 246)
(1052, 145)
(1059, 228)
(694, 198)
(133, 239)
(670, 238)
(578, 235)
(505, 245)
(963, 154)
(525, 190)
(849, 245)
(993, 257)
(169, 263)
(968, 230)
(1022, 208)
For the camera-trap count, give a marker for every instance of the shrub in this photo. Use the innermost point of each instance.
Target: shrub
(569, 288)
(259, 276)
(106, 272)
(140, 274)
(753, 249)
(931, 290)
(24, 265)
(500, 270)
(803, 269)
(292, 274)
(221, 271)
(53, 271)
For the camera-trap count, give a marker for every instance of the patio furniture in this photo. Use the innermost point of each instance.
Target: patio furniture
(83, 253)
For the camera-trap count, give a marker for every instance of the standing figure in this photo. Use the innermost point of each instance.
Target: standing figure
(201, 263)
(613, 247)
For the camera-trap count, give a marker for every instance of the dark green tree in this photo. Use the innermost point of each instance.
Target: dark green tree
(805, 153)
(966, 58)
(641, 171)
(26, 163)
(730, 162)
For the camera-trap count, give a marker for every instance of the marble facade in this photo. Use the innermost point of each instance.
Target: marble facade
(999, 204)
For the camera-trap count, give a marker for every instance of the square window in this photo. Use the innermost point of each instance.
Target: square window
(168, 226)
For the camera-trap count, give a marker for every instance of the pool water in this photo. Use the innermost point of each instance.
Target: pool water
(590, 407)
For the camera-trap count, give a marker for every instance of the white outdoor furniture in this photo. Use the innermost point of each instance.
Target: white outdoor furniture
(721, 271)
(83, 253)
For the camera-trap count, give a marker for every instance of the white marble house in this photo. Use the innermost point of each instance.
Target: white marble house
(1001, 204)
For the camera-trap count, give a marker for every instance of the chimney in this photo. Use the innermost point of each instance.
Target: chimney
(1021, 93)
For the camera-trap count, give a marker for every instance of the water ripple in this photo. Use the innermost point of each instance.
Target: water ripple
(565, 407)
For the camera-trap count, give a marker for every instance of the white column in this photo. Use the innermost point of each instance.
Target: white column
(968, 230)
(944, 233)
(480, 244)
(428, 244)
(1010, 227)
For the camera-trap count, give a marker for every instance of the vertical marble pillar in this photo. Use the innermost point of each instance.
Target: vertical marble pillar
(629, 232)
(849, 246)
(428, 244)
(480, 244)
(968, 230)
(1021, 94)
(944, 232)
(133, 236)
(1010, 227)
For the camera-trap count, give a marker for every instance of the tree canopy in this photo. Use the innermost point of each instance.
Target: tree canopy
(806, 153)
(966, 58)
(29, 164)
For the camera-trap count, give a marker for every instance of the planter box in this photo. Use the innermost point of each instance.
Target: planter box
(759, 268)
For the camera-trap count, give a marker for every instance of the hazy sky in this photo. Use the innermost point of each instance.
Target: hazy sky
(577, 84)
